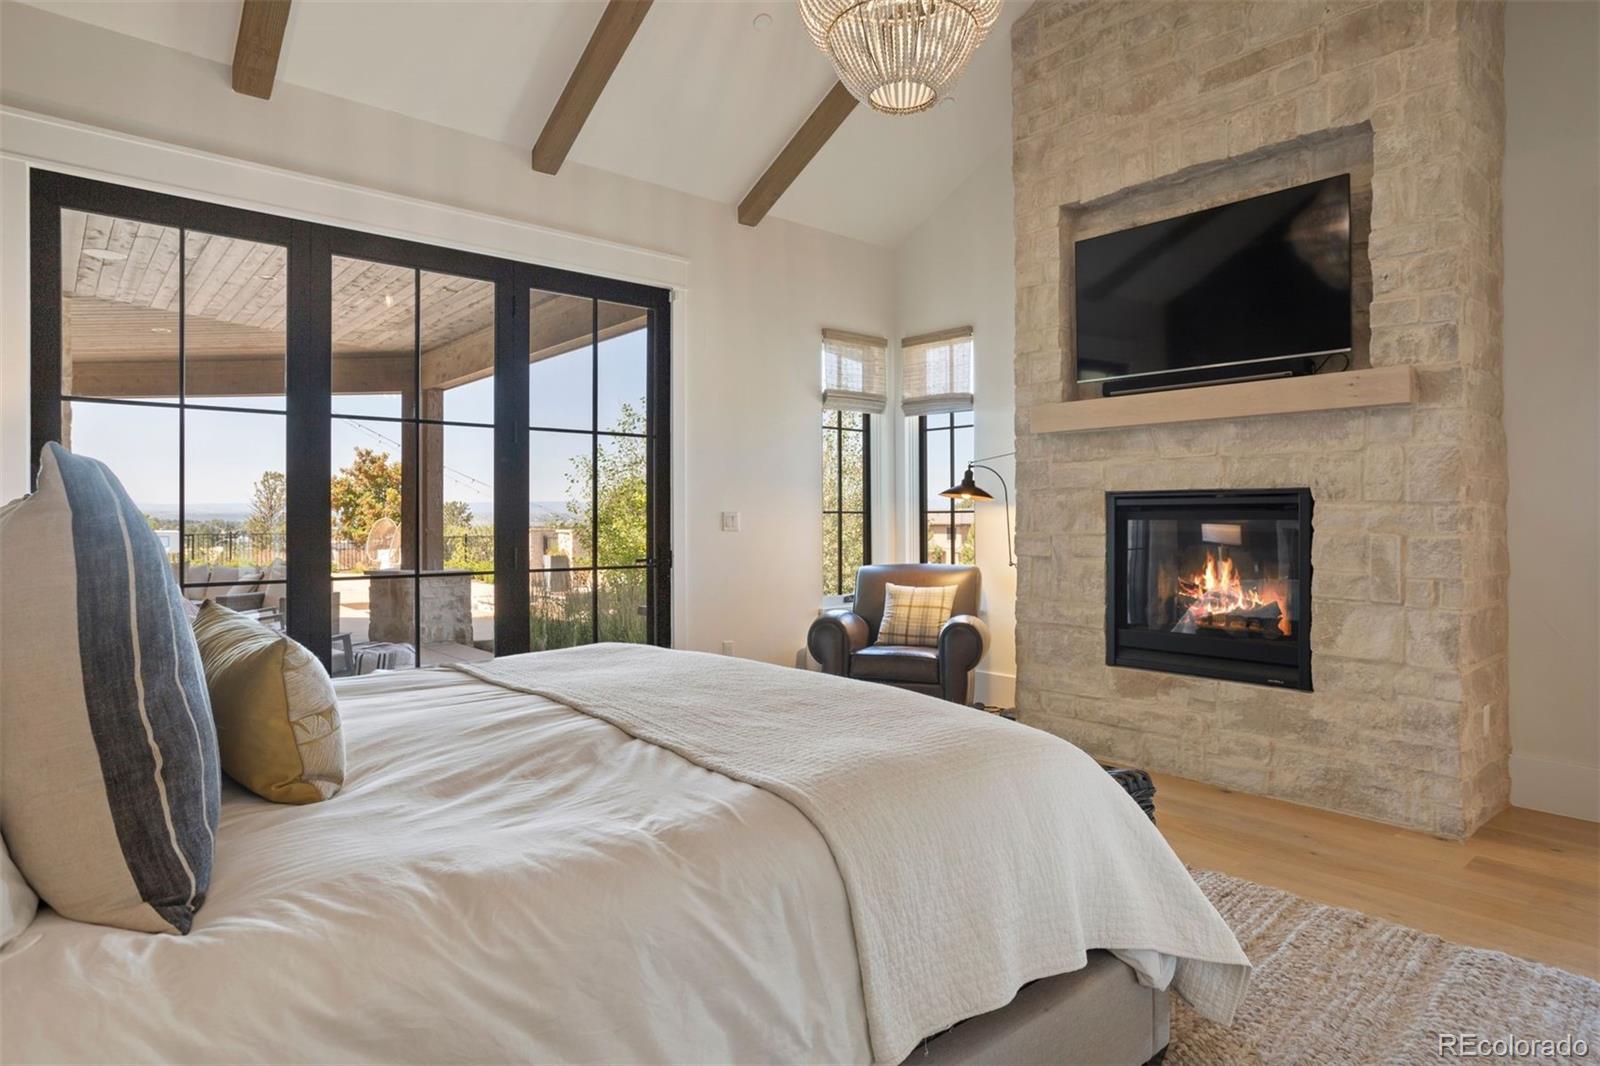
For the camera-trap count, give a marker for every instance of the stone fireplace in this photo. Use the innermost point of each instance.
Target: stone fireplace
(1130, 112)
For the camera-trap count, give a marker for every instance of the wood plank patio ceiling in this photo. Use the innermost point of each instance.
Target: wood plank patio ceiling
(120, 283)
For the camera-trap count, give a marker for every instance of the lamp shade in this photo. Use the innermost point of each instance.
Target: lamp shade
(967, 490)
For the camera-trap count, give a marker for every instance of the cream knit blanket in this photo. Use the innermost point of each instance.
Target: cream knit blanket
(977, 854)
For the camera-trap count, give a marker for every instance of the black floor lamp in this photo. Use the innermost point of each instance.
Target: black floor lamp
(969, 490)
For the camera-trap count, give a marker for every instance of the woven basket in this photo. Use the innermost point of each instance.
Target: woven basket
(1137, 784)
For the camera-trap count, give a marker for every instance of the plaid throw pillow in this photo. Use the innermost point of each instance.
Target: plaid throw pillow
(914, 614)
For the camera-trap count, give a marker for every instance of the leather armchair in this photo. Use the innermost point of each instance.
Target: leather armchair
(843, 640)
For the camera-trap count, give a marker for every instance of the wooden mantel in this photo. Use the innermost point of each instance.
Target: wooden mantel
(1378, 387)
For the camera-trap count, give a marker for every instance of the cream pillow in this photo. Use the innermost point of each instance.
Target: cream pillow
(914, 614)
(276, 712)
(18, 904)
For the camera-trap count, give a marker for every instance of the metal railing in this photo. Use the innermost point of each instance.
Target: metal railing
(234, 548)
(240, 548)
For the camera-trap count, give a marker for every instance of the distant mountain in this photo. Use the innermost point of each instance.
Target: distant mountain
(197, 511)
(549, 513)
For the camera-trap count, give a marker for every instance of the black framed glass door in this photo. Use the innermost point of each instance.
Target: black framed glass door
(597, 565)
(408, 406)
(160, 344)
(412, 340)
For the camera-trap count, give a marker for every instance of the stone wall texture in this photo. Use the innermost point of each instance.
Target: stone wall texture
(1130, 110)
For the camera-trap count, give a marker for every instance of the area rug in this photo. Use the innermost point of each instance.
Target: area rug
(1337, 986)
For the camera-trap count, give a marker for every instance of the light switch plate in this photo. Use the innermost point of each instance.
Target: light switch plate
(730, 521)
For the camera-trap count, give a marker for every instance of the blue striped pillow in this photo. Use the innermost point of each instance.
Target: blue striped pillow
(109, 781)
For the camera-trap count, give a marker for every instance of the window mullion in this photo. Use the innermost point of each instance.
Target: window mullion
(417, 505)
(922, 488)
(866, 489)
(838, 456)
(951, 423)
(594, 470)
(183, 418)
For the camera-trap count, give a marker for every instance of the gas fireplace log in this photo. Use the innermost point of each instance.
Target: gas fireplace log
(1261, 621)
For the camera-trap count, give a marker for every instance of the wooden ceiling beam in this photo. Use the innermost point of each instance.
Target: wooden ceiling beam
(255, 52)
(618, 23)
(802, 147)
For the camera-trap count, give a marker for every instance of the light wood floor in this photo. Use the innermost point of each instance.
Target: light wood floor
(1527, 883)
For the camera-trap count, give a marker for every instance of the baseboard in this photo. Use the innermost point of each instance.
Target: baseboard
(999, 690)
(1556, 787)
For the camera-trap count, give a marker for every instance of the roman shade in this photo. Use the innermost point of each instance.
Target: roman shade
(854, 377)
(936, 372)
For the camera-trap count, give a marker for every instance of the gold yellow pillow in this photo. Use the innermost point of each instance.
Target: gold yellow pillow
(276, 713)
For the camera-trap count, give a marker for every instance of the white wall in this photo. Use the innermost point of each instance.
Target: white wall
(1552, 401)
(750, 301)
(957, 269)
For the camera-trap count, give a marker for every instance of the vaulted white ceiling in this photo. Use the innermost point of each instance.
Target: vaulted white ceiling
(702, 101)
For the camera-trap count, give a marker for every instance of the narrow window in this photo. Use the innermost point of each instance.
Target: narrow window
(945, 450)
(854, 372)
(936, 388)
(846, 498)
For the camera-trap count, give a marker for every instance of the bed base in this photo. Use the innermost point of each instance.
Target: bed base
(1100, 1014)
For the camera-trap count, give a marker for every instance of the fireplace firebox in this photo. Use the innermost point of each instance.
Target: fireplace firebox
(1211, 583)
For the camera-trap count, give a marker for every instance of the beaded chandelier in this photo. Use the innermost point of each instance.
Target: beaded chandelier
(899, 55)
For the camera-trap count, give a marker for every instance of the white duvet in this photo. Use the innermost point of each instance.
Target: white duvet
(501, 880)
(976, 854)
(507, 879)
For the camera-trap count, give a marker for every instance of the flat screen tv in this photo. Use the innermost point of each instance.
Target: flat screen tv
(1258, 288)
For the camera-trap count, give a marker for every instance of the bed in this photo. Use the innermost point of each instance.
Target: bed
(508, 878)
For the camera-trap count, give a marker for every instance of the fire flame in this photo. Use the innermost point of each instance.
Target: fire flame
(1217, 590)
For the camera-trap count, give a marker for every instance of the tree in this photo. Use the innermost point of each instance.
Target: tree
(969, 547)
(619, 512)
(269, 504)
(467, 545)
(365, 491)
(458, 515)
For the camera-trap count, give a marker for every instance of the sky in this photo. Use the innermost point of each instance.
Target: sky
(226, 452)
(942, 473)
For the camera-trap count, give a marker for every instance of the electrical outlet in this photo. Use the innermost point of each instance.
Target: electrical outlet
(730, 521)
(727, 647)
